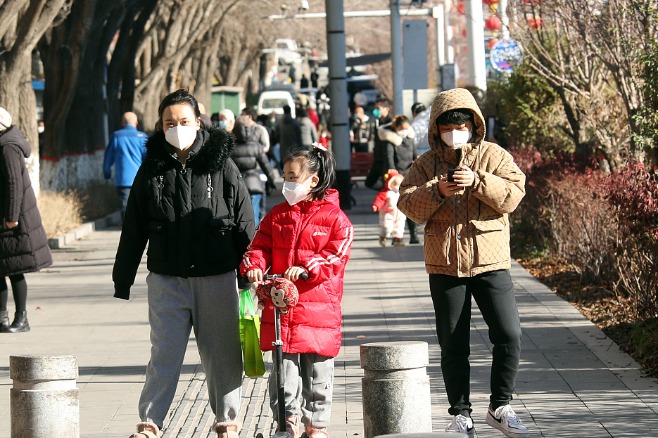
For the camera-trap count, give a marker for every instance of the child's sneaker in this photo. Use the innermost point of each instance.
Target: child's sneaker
(505, 420)
(382, 240)
(462, 424)
(397, 241)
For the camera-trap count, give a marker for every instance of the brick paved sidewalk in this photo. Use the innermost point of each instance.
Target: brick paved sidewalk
(573, 381)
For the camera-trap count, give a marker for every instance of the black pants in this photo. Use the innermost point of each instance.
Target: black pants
(494, 295)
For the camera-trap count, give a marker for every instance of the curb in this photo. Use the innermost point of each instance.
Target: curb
(59, 242)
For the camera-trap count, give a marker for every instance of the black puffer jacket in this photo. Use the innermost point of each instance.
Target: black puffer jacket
(248, 155)
(197, 219)
(25, 247)
(400, 152)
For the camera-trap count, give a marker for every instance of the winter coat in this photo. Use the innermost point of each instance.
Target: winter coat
(23, 248)
(466, 234)
(316, 235)
(420, 125)
(248, 155)
(399, 152)
(197, 218)
(363, 129)
(309, 134)
(289, 134)
(125, 151)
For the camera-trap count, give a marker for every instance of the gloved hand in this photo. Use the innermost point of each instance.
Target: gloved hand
(270, 187)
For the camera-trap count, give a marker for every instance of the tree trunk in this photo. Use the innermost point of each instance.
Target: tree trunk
(23, 24)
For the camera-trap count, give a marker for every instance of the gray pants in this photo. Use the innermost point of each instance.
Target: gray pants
(209, 305)
(308, 385)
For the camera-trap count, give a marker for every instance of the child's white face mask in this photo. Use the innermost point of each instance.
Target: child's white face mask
(295, 192)
(456, 138)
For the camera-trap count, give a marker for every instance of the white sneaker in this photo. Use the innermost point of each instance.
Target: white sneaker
(506, 421)
(461, 424)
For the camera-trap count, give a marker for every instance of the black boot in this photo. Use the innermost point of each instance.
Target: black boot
(20, 323)
(4, 322)
(413, 235)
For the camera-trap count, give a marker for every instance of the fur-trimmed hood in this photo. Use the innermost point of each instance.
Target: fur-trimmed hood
(209, 153)
(387, 133)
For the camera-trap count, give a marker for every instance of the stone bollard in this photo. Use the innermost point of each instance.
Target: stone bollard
(44, 397)
(396, 389)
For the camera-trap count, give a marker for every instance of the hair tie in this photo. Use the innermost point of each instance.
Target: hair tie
(319, 146)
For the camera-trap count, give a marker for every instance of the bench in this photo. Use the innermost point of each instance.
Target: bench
(360, 164)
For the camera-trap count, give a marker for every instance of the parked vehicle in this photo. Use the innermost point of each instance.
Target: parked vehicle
(273, 101)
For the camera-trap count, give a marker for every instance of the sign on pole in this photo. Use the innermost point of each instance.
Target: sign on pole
(506, 55)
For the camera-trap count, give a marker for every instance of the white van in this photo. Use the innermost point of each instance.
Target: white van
(272, 101)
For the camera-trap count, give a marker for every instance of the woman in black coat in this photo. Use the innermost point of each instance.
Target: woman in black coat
(23, 240)
(189, 203)
(249, 156)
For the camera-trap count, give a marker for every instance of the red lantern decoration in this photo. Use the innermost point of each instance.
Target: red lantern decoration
(535, 22)
(461, 8)
(493, 23)
(492, 42)
(490, 2)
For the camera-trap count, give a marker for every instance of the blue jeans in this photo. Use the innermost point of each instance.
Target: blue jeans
(256, 199)
(123, 193)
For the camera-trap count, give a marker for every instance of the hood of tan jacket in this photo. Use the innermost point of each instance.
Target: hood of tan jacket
(468, 233)
(457, 98)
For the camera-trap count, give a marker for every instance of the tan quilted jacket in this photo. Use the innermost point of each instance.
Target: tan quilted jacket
(466, 234)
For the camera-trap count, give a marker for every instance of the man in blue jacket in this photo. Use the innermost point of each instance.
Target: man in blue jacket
(126, 150)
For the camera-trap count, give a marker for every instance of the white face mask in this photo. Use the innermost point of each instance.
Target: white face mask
(456, 138)
(181, 137)
(403, 133)
(295, 192)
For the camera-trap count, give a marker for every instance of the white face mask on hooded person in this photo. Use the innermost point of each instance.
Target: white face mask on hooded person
(181, 137)
(295, 192)
(456, 138)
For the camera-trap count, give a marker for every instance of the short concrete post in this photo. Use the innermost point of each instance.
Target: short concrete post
(396, 388)
(44, 397)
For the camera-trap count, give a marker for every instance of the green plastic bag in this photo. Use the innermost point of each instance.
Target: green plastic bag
(252, 357)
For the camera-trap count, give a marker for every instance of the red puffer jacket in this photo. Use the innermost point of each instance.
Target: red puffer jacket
(316, 235)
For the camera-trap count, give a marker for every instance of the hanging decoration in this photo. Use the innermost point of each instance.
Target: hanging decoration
(493, 23)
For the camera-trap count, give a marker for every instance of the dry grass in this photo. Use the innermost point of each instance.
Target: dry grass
(62, 212)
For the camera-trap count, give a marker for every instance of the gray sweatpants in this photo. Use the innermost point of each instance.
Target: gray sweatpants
(308, 387)
(209, 305)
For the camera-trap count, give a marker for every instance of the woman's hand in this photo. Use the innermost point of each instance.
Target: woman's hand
(254, 275)
(293, 273)
(464, 177)
(11, 224)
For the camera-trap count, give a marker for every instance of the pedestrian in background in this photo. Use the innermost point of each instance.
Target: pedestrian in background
(420, 125)
(226, 119)
(391, 219)
(309, 134)
(362, 130)
(260, 131)
(467, 251)
(288, 133)
(190, 205)
(309, 233)
(249, 156)
(23, 241)
(125, 152)
(374, 179)
(397, 140)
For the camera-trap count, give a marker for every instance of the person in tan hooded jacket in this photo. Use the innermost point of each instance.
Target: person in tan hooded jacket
(463, 189)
